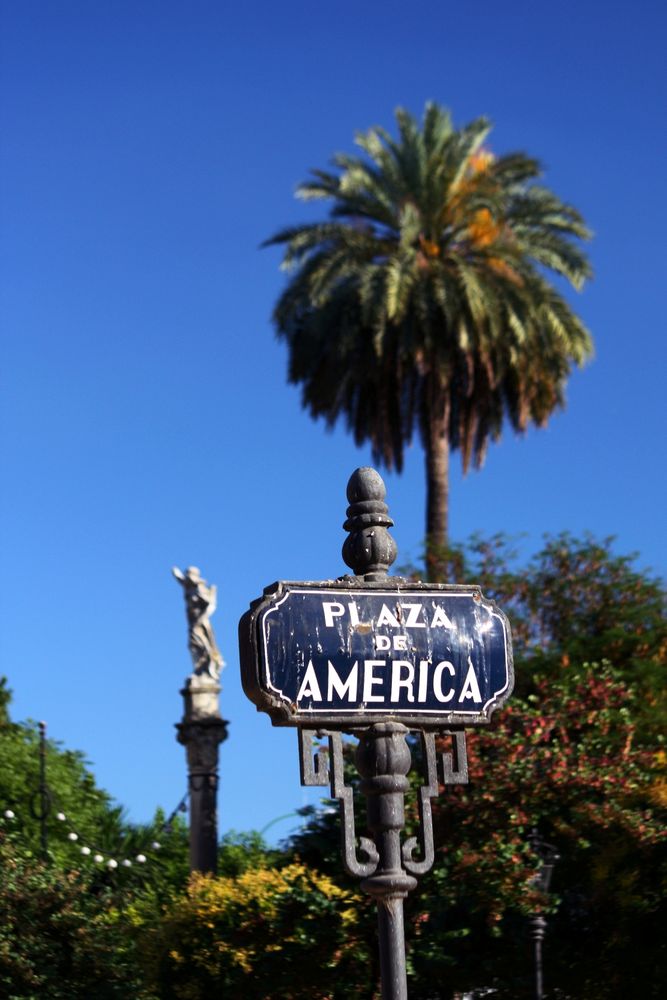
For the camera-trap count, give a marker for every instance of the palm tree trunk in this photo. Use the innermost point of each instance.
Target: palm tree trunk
(436, 446)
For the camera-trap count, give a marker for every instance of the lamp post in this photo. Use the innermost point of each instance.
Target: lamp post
(40, 803)
(547, 857)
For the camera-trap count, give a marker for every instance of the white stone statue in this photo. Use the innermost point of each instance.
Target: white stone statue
(200, 603)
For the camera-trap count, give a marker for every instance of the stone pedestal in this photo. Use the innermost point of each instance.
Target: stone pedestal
(201, 731)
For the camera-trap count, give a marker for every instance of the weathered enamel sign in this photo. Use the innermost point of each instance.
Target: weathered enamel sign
(345, 654)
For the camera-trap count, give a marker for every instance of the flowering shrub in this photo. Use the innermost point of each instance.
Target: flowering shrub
(268, 934)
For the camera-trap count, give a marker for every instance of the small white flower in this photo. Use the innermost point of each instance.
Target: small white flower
(98, 857)
(141, 858)
(112, 863)
(61, 816)
(72, 835)
(85, 850)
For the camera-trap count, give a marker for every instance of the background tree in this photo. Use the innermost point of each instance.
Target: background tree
(90, 812)
(564, 761)
(578, 601)
(63, 936)
(424, 302)
(65, 927)
(73, 791)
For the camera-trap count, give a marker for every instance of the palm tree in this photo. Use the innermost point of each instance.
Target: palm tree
(425, 301)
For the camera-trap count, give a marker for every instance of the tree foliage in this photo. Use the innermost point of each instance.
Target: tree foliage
(73, 791)
(91, 813)
(268, 933)
(576, 601)
(562, 760)
(64, 928)
(62, 936)
(425, 301)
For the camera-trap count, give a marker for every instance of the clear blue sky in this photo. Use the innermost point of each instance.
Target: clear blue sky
(147, 149)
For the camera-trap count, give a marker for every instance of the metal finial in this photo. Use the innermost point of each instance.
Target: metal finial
(369, 550)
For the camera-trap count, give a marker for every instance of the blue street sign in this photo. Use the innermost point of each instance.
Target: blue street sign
(341, 654)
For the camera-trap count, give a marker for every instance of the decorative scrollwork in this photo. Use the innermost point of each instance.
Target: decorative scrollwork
(324, 767)
(314, 767)
(343, 792)
(455, 764)
(427, 792)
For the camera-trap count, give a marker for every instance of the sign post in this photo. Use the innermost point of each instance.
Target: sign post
(378, 657)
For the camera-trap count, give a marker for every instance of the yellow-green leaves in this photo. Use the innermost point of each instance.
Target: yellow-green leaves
(267, 934)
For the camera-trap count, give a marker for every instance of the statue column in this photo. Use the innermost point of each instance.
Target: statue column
(202, 729)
